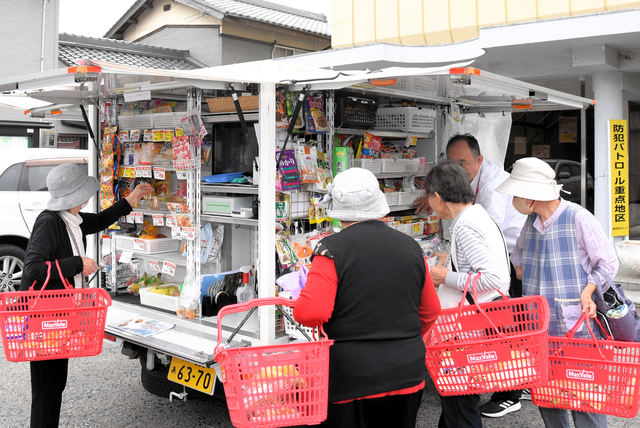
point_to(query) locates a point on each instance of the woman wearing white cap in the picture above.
(370, 287)
(560, 248)
(59, 233)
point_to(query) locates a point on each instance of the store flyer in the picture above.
(144, 326)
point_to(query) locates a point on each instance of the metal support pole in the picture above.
(583, 147)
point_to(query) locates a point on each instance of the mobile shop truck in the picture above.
(132, 113)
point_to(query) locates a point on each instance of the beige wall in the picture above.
(434, 22)
(153, 19)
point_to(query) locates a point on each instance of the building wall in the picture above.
(179, 14)
(203, 43)
(435, 22)
(272, 34)
(21, 37)
(236, 50)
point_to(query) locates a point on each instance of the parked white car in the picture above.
(23, 195)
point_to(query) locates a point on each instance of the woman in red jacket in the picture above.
(370, 287)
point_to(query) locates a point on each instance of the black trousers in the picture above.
(460, 411)
(48, 380)
(397, 411)
(515, 290)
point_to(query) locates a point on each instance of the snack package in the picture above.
(292, 100)
(340, 160)
(283, 209)
(145, 153)
(189, 297)
(324, 174)
(205, 151)
(206, 240)
(316, 120)
(408, 184)
(124, 186)
(165, 155)
(371, 146)
(288, 170)
(107, 168)
(286, 255)
(183, 152)
(216, 241)
(317, 211)
(303, 249)
(307, 158)
(281, 115)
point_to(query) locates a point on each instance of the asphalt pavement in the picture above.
(105, 391)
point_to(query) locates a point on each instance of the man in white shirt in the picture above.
(485, 176)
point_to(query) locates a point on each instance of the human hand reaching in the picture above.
(89, 266)
(139, 192)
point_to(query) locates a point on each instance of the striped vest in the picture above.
(551, 267)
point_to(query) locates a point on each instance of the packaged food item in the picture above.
(205, 151)
(145, 153)
(189, 296)
(292, 100)
(165, 155)
(182, 150)
(370, 146)
(316, 120)
(324, 174)
(281, 115)
(307, 158)
(286, 255)
(288, 170)
(124, 186)
(317, 211)
(216, 241)
(283, 209)
(303, 249)
(340, 160)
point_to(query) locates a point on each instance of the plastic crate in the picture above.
(353, 112)
(410, 197)
(425, 85)
(392, 198)
(408, 119)
(138, 121)
(289, 327)
(167, 120)
(373, 165)
(412, 165)
(147, 246)
(392, 165)
(170, 303)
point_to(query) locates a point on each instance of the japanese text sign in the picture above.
(618, 140)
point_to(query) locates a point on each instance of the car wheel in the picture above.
(11, 266)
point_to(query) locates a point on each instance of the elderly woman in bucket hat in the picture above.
(558, 251)
(59, 233)
(370, 287)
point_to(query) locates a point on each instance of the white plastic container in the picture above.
(373, 165)
(424, 85)
(392, 198)
(289, 327)
(169, 303)
(392, 165)
(410, 197)
(408, 119)
(147, 246)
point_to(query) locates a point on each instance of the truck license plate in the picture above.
(192, 375)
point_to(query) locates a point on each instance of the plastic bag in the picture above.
(189, 297)
(206, 240)
(216, 241)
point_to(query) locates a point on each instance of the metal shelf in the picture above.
(393, 93)
(397, 174)
(385, 134)
(173, 256)
(401, 207)
(229, 220)
(151, 212)
(249, 190)
(228, 117)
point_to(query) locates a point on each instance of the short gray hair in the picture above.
(450, 181)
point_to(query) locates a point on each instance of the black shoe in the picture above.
(497, 409)
(526, 394)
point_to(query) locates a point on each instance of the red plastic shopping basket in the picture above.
(53, 324)
(591, 375)
(493, 346)
(275, 385)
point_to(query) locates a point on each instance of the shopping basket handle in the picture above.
(476, 277)
(254, 303)
(595, 340)
(65, 282)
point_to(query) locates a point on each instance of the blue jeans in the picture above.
(559, 418)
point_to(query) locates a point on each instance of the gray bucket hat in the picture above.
(70, 187)
(355, 195)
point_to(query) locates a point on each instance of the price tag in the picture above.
(169, 268)
(125, 257)
(176, 233)
(139, 217)
(189, 233)
(192, 375)
(143, 171)
(181, 174)
(158, 173)
(154, 265)
(131, 218)
(158, 220)
(138, 245)
(123, 219)
(171, 220)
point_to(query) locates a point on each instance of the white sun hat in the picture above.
(70, 187)
(355, 195)
(531, 178)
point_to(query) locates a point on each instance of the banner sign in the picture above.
(618, 139)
